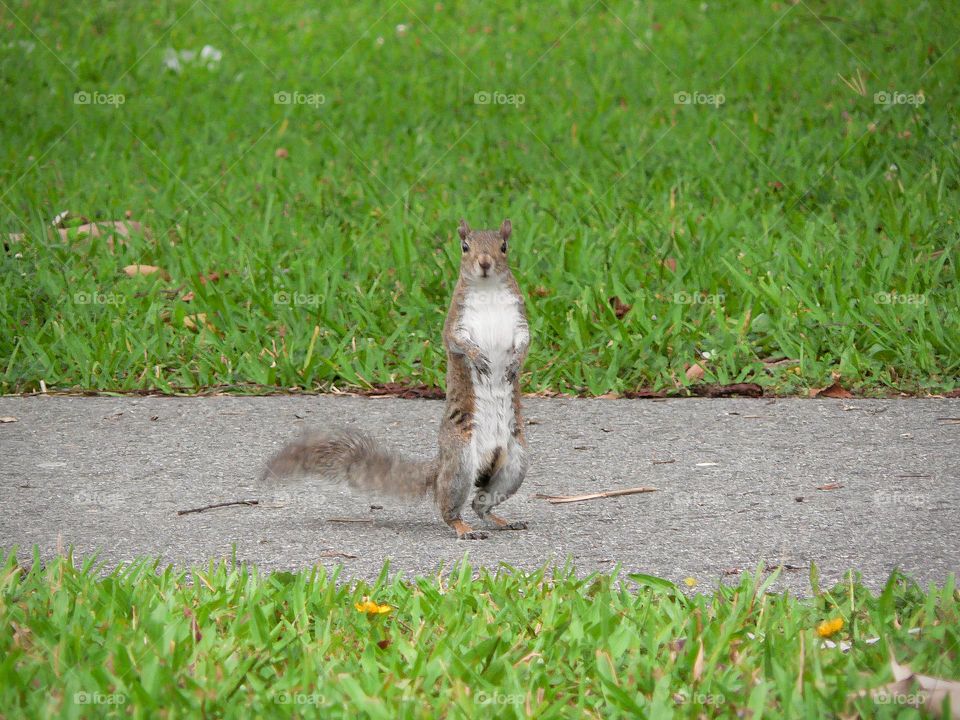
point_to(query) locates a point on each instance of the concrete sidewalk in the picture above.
(867, 484)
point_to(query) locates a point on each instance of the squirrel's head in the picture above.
(484, 251)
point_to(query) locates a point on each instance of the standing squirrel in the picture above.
(481, 441)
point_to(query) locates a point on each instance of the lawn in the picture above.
(769, 190)
(227, 641)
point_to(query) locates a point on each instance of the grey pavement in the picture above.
(739, 482)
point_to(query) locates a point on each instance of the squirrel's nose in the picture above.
(485, 263)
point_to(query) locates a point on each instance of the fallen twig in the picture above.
(217, 505)
(558, 499)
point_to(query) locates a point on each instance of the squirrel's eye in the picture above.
(464, 247)
(503, 247)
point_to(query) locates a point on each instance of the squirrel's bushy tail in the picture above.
(356, 459)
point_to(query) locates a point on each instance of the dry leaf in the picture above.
(836, 390)
(695, 372)
(830, 486)
(8, 419)
(134, 270)
(620, 308)
(194, 322)
(213, 277)
(188, 297)
(698, 663)
(910, 689)
(670, 264)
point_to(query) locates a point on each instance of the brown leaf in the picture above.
(698, 664)
(188, 297)
(830, 486)
(8, 419)
(213, 277)
(695, 373)
(281, 153)
(134, 270)
(670, 264)
(620, 308)
(194, 322)
(836, 390)
(540, 291)
(911, 689)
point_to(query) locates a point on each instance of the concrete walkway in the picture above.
(867, 484)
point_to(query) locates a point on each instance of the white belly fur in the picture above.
(490, 316)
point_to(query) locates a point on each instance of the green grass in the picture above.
(229, 641)
(800, 219)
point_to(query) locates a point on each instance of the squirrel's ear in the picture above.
(463, 229)
(505, 229)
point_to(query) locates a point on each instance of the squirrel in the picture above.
(481, 439)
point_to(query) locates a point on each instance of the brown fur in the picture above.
(355, 459)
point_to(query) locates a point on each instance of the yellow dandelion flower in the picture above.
(371, 607)
(690, 582)
(829, 628)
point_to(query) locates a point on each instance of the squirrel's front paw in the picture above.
(482, 364)
(513, 369)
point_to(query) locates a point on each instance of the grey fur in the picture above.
(355, 459)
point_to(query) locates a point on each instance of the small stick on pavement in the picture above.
(349, 520)
(558, 499)
(217, 505)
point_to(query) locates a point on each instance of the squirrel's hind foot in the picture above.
(473, 535)
(502, 524)
(465, 532)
